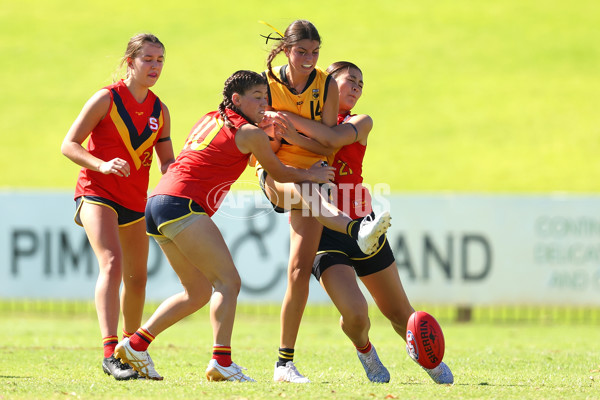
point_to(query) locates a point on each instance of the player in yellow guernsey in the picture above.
(308, 103)
(301, 88)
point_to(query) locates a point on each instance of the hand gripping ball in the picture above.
(424, 340)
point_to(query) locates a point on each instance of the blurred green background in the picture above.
(466, 95)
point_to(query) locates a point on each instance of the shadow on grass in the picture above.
(470, 384)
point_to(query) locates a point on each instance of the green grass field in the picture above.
(467, 96)
(59, 356)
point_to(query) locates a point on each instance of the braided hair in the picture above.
(298, 30)
(239, 82)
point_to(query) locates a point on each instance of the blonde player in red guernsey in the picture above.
(178, 212)
(125, 123)
(339, 260)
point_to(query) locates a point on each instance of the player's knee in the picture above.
(198, 299)
(110, 263)
(229, 285)
(356, 318)
(398, 318)
(299, 272)
(135, 283)
(235, 284)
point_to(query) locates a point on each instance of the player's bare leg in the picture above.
(388, 293)
(200, 246)
(135, 244)
(305, 233)
(101, 227)
(339, 281)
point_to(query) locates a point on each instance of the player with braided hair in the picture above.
(178, 213)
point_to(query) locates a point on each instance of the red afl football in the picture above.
(424, 340)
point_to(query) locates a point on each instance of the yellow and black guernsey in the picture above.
(128, 131)
(307, 104)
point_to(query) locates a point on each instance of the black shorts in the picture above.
(339, 248)
(125, 216)
(163, 209)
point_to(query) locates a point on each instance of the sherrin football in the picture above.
(424, 340)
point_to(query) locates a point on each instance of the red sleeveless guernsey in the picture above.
(209, 163)
(352, 197)
(128, 131)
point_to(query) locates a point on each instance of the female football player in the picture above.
(339, 259)
(125, 122)
(178, 216)
(302, 88)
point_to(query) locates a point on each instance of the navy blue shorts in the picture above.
(164, 209)
(339, 248)
(125, 216)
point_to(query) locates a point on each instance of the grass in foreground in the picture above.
(60, 356)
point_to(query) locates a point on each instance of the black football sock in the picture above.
(285, 355)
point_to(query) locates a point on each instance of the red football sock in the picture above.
(222, 354)
(127, 334)
(140, 340)
(110, 342)
(365, 349)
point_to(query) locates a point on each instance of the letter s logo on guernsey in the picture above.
(153, 123)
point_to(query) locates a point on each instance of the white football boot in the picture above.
(216, 372)
(139, 360)
(289, 373)
(371, 230)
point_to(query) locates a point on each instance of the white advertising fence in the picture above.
(450, 249)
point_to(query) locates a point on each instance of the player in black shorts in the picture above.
(339, 260)
(336, 265)
(335, 248)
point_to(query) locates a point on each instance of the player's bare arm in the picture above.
(251, 139)
(164, 146)
(93, 112)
